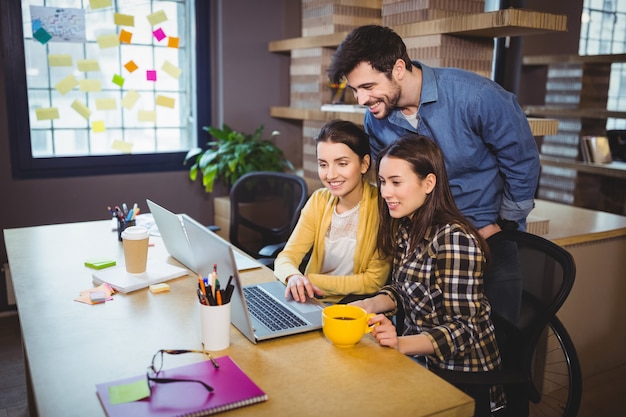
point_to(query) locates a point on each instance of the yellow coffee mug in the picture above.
(344, 325)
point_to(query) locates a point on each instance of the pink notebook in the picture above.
(232, 389)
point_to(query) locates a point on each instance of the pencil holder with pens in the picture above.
(215, 326)
(122, 225)
(214, 311)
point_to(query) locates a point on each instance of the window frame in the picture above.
(24, 166)
(618, 69)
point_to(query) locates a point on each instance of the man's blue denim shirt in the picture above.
(490, 153)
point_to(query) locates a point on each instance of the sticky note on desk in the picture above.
(157, 288)
(97, 297)
(99, 263)
(126, 393)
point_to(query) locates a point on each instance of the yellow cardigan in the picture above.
(370, 272)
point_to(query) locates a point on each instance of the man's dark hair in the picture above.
(379, 46)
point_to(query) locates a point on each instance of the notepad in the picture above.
(232, 389)
(122, 281)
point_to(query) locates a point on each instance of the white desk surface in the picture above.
(71, 346)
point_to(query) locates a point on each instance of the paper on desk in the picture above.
(124, 282)
(105, 288)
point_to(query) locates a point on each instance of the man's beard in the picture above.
(390, 102)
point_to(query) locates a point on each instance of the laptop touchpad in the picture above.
(305, 307)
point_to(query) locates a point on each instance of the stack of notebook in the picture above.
(232, 388)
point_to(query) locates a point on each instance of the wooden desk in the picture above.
(593, 312)
(71, 346)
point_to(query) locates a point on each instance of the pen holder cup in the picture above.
(215, 326)
(122, 225)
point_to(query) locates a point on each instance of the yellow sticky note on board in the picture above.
(98, 126)
(157, 17)
(130, 99)
(171, 69)
(108, 41)
(165, 101)
(90, 86)
(106, 104)
(123, 19)
(99, 4)
(86, 65)
(60, 60)
(146, 116)
(47, 113)
(81, 109)
(122, 146)
(66, 85)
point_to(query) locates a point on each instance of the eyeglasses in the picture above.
(157, 366)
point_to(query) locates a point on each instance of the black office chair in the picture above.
(538, 344)
(265, 207)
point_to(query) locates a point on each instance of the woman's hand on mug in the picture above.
(300, 287)
(384, 331)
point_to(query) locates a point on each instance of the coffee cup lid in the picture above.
(135, 233)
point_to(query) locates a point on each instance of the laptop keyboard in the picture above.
(272, 314)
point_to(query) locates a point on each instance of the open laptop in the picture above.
(247, 302)
(176, 242)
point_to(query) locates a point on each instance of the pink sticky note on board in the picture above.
(151, 75)
(159, 34)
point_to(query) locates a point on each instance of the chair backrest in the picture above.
(548, 273)
(265, 207)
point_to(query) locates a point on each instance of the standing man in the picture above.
(489, 150)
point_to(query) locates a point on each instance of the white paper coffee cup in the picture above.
(135, 241)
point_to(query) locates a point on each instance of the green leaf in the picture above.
(208, 177)
(192, 153)
(207, 158)
(193, 172)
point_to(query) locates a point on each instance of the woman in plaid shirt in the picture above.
(438, 266)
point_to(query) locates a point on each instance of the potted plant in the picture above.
(233, 154)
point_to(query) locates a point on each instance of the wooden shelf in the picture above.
(539, 127)
(554, 111)
(574, 59)
(497, 24)
(312, 114)
(500, 23)
(614, 169)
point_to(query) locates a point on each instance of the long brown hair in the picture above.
(439, 208)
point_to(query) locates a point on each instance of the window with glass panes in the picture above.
(603, 31)
(108, 76)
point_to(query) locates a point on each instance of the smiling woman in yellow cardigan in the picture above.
(338, 224)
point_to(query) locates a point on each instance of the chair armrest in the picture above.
(271, 251)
